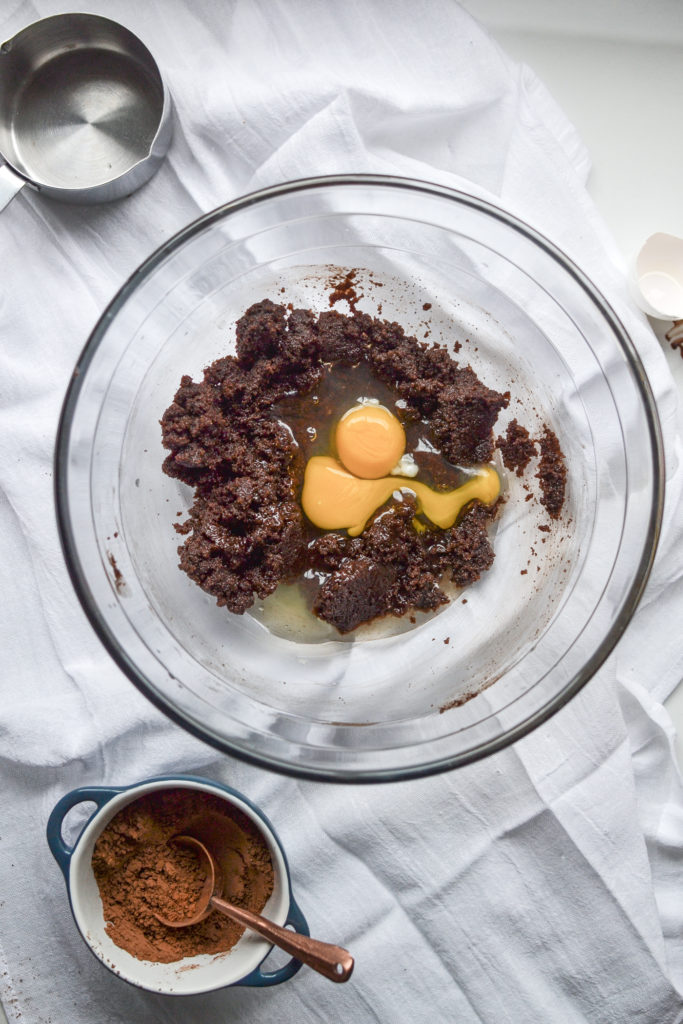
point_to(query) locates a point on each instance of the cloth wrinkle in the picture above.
(394, 898)
(412, 918)
(612, 895)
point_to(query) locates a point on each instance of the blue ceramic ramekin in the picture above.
(192, 975)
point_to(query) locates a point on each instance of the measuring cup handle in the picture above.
(261, 979)
(10, 183)
(99, 795)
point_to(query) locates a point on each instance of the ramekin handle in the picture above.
(99, 795)
(261, 979)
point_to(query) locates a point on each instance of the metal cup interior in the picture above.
(82, 104)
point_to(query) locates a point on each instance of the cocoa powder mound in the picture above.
(139, 873)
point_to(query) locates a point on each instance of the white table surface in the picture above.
(616, 68)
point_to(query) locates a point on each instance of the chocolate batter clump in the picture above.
(516, 447)
(242, 436)
(140, 873)
(552, 473)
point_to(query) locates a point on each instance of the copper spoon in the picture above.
(332, 961)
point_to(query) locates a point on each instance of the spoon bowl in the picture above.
(213, 884)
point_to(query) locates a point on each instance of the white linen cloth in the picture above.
(540, 886)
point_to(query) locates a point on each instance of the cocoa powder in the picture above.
(139, 873)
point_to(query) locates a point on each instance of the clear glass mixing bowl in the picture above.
(526, 637)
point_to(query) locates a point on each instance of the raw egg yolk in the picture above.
(370, 441)
(334, 499)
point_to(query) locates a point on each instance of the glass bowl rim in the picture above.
(351, 776)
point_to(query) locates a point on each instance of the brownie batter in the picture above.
(140, 874)
(241, 438)
(552, 473)
(516, 447)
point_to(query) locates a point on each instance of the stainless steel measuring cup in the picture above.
(85, 116)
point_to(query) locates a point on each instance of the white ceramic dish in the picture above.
(192, 975)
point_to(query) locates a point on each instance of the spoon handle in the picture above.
(332, 961)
